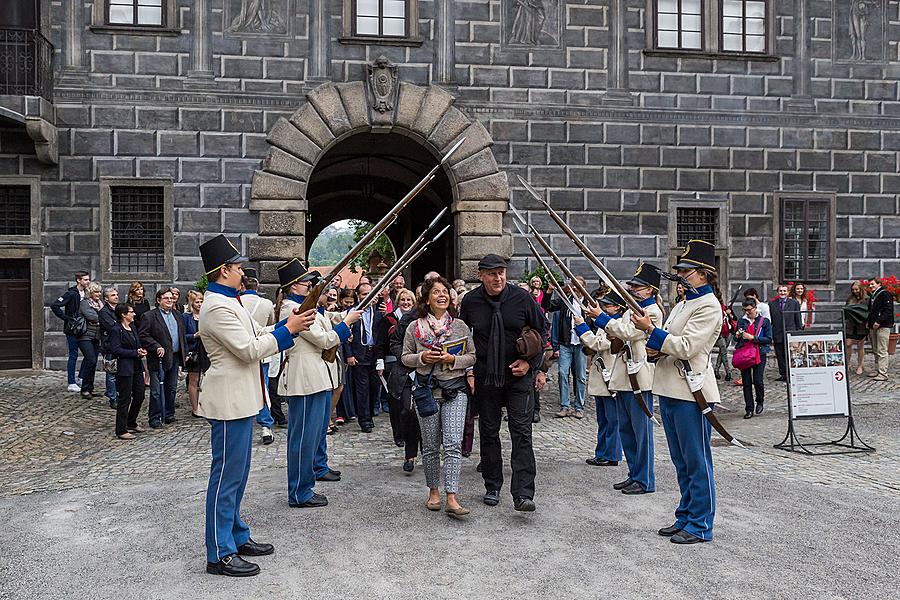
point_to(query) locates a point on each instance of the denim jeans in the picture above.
(89, 349)
(163, 385)
(72, 343)
(571, 358)
(111, 391)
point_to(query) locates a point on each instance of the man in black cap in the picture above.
(230, 398)
(497, 313)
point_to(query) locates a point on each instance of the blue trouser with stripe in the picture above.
(303, 438)
(687, 434)
(609, 447)
(320, 463)
(230, 442)
(636, 433)
(264, 418)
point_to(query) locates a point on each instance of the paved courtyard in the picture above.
(89, 516)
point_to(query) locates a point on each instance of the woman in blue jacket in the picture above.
(762, 337)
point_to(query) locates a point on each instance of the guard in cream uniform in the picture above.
(307, 383)
(684, 344)
(262, 311)
(232, 392)
(608, 452)
(635, 427)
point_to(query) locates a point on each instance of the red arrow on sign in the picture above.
(839, 375)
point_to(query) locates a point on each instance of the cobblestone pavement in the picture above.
(54, 440)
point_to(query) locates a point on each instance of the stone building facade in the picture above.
(770, 128)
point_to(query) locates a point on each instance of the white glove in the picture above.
(379, 364)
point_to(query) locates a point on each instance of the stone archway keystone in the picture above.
(335, 111)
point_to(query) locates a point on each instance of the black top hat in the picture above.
(613, 298)
(311, 276)
(697, 255)
(218, 252)
(251, 273)
(290, 272)
(646, 275)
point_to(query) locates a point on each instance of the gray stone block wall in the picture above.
(720, 128)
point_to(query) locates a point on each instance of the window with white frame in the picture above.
(135, 12)
(711, 26)
(679, 24)
(743, 26)
(380, 18)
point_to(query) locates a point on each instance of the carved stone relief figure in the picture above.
(533, 23)
(257, 16)
(382, 84)
(860, 12)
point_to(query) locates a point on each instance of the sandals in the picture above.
(136, 430)
(126, 436)
(435, 506)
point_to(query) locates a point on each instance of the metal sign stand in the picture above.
(850, 442)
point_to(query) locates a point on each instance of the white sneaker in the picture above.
(267, 436)
(78, 382)
(74, 387)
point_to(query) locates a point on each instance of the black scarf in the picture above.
(496, 350)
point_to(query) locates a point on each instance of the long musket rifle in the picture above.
(547, 270)
(386, 221)
(595, 262)
(412, 253)
(562, 266)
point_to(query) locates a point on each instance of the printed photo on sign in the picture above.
(833, 347)
(834, 360)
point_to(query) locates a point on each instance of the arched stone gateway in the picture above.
(329, 161)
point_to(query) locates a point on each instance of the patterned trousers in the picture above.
(444, 428)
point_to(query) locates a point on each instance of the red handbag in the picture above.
(747, 355)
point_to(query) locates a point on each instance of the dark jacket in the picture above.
(400, 374)
(364, 355)
(561, 323)
(191, 325)
(66, 306)
(107, 323)
(140, 309)
(123, 346)
(762, 335)
(155, 334)
(784, 321)
(518, 310)
(881, 309)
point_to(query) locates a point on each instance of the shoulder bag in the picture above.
(747, 356)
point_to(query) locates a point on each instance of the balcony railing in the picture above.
(26, 63)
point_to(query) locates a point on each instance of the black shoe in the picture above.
(112, 404)
(233, 566)
(728, 376)
(399, 443)
(169, 421)
(478, 468)
(316, 501)
(622, 484)
(466, 454)
(252, 548)
(524, 504)
(334, 471)
(669, 531)
(599, 462)
(409, 465)
(748, 414)
(491, 497)
(717, 375)
(366, 429)
(683, 537)
(329, 476)
(281, 424)
(633, 489)
(536, 417)
(156, 425)
(781, 378)
(759, 409)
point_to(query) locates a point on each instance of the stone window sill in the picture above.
(380, 41)
(135, 30)
(712, 55)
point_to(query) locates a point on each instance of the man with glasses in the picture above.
(162, 336)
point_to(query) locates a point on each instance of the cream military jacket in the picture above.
(599, 343)
(233, 386)
(305, 372)
(690, 333)
(262, 311)
(636, 339)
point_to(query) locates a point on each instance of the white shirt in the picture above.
(574, 338)
(762, 310)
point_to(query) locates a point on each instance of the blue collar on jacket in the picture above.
(218, 288)
(647, 301)
(249, 293)
(296, 298)
(700, 291)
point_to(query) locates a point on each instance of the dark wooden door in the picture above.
(15, 315)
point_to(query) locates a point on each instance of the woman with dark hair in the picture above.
(346, 407)
(440, 348)
(807, 302)
(753, 328)
(856, 331)
(125, 347)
